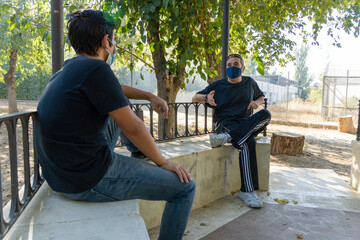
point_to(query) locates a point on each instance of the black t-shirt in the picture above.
(73, 112)
(232, 99)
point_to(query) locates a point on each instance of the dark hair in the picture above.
(87, 28)
(235, 55)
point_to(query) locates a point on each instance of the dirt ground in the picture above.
(324, 149)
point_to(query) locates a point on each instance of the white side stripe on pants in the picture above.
(245, 159)
(257, 127)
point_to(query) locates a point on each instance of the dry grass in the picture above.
(298, 110)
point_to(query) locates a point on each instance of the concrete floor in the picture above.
(302, 187)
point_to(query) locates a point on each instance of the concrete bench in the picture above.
(215, 171)
(50, 215)
(355, 166)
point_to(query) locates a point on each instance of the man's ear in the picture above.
(105, 42)
(243, 69)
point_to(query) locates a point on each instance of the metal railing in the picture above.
(187, 120)
(187, 113)
(190, 119)
(31, 183)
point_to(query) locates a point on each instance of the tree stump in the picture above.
(346, 124)
(287, 143)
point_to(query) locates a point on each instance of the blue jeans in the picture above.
(132, 178)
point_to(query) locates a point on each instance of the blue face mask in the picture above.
(111, 58)
(233, 72)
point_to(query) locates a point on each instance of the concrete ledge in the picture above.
(49, 215)
(215, 171)
(329, 125)
(355, 166)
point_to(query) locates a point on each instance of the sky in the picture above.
(340, 59)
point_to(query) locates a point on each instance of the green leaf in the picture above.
(183, 86)
(27, 25)
(11, 24)
(260, 68)
(140, 45)
(4, 8)
(141, 76)
(152, 8)
(72, 8)
(165, 4)
(152, 46)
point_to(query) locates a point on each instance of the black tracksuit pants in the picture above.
(243, 132)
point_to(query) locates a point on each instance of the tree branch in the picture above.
(123, 49)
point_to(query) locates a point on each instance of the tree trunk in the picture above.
(167, 84)
(287, 143)
(10, 83)
(211, 64)
(346, 124)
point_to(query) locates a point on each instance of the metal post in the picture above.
(358, 126)
(132, 64)
(225, 37)
(323, 99)
(347, 85)
(287, 96)
(57, 35)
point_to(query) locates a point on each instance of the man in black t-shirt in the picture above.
(80, 114)
(234, 99)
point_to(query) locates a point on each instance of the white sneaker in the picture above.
(218, 140)
(251, 199)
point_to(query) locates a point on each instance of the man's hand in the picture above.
(253, 105)
(159, 105)
(210, 98)
(182, 172)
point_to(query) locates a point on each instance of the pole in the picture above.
(347, 85)
(358, 127)
(287, 95)
(225, 37)
(57, 35)
(132, 64)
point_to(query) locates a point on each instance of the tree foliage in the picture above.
(184, 30)
(260, 30)
(263, 30)
(24, 43)
(315, 94)
(301, 72)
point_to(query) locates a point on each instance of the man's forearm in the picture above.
(142, 139)
(260, 100)
(200, 98)
(134, 93)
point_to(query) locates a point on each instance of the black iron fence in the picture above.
(20, 192)
(190, 119)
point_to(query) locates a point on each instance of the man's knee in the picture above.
(190, 188)
(265, 113)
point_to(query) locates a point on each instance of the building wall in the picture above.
(274, 88)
